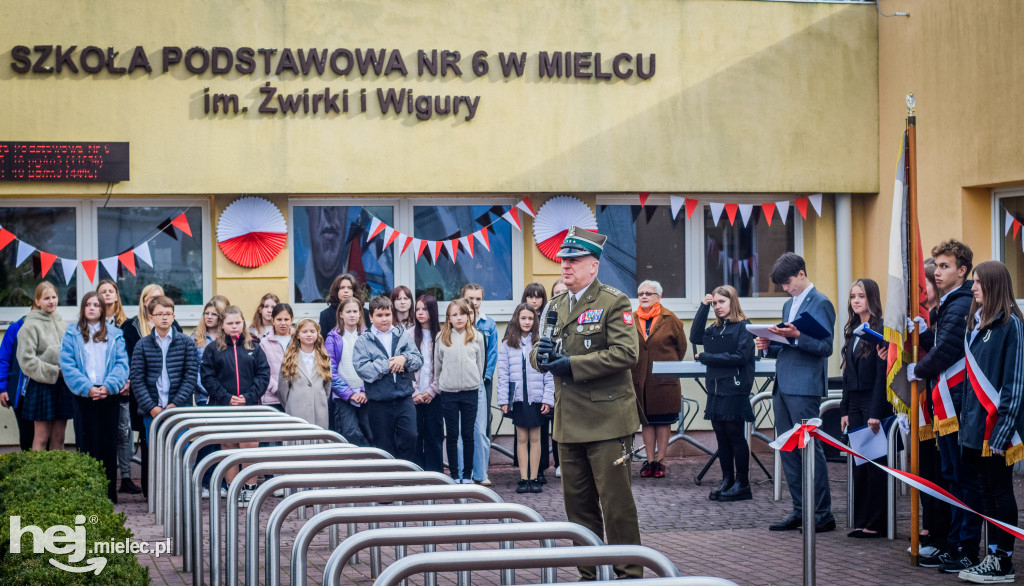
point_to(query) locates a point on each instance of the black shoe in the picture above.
(535, 487)
(129, 487)
(790, 523)
(736, 492)
(932, 561)
(540, 478)
(726, 483)
(957, 563)
(825, 527)
(861, 534)
(523, 486)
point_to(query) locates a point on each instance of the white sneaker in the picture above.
(279, 493)
(558, 471)
(223, 492)
(485, 482)
(926, 550)
(206, 493)
(246, 495)
(467, 481)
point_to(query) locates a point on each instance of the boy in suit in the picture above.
(801, 380)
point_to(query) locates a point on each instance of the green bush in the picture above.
(52, 488)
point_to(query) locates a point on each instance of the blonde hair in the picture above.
(41, 290)
(199, 334)
(222, 339)
(446, 330)
(341, 307)
(144, 327)
(735, 311)
(290, 362)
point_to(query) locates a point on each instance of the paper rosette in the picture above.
(554, 219)
(251, 231)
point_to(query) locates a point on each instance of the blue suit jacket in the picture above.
(802, 367)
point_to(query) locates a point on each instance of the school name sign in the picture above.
(273, 98)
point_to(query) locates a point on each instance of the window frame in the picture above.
(405, 264)
(998, 236)
(686, 307)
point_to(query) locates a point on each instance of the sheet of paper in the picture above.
(761, 331)
(868, 443)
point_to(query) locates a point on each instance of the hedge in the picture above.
(52, 488)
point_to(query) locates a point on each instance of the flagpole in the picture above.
(913, 291)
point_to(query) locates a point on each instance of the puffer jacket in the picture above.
(998, 351)
(234, 370)
(945, 338)
(72, 361)
(39, 342)
(540, 386)
(147, 364)
(274, 352)
(334, 345)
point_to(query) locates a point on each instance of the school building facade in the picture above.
(428, 122)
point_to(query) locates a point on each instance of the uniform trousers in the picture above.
(97, 434)
(591, 483)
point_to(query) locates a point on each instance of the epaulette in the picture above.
(611, 290)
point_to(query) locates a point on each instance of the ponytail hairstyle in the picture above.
(118, 309)
(245, 338)
(321, 361)
(83, 324)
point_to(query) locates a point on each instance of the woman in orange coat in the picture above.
(661, 337)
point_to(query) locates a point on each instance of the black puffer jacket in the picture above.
(147, 365)
(945, 339)
(233, 370)
(728, 354)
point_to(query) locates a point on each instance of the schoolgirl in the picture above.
(305, 378)
(115, 316)
(274, 346)
(47, 401)
(347, 403)
(401, 302)
(263, 318)
(429, 417)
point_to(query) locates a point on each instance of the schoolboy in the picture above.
(386, 359)
(474, 294)
(801, 380)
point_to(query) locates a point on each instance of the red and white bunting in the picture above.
(418, 246)
(815, 203)
(376, 226)
(390, 239)
(46, 261)
(730, 210)
(512, 217)
(467, 243)
(783, 208)
(677, 202)
(691, 206)
(405, 245)
(643, 198)
(142, 252)
(436, 246)
(90, 269)
(768, 209)
(6, 237)
(25, 250)
(801, 206)
(67, 266)
(452, 247)
(110, 265)
(716, 211)
(128, 260)
(484, 239)
(1007, 222)
(745, 210)
(527, 206)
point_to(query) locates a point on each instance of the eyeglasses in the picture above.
(163, 315)
(646, 294)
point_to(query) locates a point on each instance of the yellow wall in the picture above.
(963, 63)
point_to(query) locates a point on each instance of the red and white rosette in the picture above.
(251, 231)
(554, 219)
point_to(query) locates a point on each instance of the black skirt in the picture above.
(45, 402)
(728, 408)
(527, 414)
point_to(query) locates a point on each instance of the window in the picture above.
(339, 234)
(1007, 248)
(177, 260)
(643, 244)
(49, 229)
(742, 256)
(492, 270)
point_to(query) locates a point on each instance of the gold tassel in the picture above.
(897, 404)
(986, 450)
(925, 433)
(1014, 454)
(947, 426)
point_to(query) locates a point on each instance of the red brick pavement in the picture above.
(702, 537)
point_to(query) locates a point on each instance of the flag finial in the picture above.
(911, 103)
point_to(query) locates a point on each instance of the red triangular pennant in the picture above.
(1016, 228)
(181, 223)
(691, 206)
(380, 228)
(801, 206)
(438, 245)
(394, 236)
(128, 258)
(419, 249)
(469, 244)
(455, 248)
(6, 237)
(769, 211)
(643, 197)
(527, 206)
(730, 210)
(405, 245)
(513, 218)
(482, 235)
(46, 261)
(90, 269)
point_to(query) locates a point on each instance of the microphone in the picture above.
(550, 321)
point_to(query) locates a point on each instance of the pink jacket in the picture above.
(275, 355)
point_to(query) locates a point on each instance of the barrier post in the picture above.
(808, 507)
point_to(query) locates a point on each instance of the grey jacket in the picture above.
(802, 367)
(460, 367)
(370, 360)
(39, 341)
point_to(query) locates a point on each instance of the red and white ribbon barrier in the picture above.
(797, 437)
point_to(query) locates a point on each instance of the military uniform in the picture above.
(596, 414)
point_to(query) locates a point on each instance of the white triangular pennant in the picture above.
(677, 202)
(68, 265)
(142, 253)
(448, 246)
(25, 250)
(716, 211)
(431, 250)
(388, 231)
(816, 202)
(464, 241)
(110, 264)
(783, 208)
(479, 235)
(415, 247)
(373, 229)
(745, 210)
(526, 208)
(1007, 223)
(512, 218)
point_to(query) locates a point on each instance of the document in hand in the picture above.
(809, 326)
(868, 443)
(761, 331)
(866, 334)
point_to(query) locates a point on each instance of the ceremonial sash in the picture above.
(988, 396)
(945, 410)
(925, 431)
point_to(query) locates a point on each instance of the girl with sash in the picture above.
(992, 418)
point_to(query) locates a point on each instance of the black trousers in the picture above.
(350, 421)
(96, 434)
(430, 436)
(987, 484)
(869, 483)
(26, 430)
(393, 426)
(733, 451)
(935, 514)
(459, 409)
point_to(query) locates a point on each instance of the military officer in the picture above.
(590, 352)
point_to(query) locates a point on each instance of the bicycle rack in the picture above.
(193, 506)
(529, 558)
(545, 532)
(158, 421)
(894, 434)
(674, 581)
(176, 428)
(177, 476)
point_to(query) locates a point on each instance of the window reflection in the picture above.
(492, 270)
(742, 256)
(50, 229)
(643, 243)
